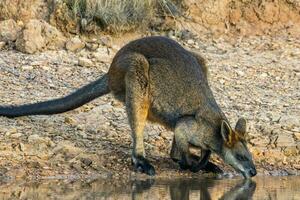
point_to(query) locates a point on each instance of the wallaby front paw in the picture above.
(192, 164)
(183, 165)
(211, 167)
(142, 165)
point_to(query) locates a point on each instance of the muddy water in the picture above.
(176, 189)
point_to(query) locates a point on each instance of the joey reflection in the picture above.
(180, 189)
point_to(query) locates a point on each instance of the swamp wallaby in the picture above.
(161, 81)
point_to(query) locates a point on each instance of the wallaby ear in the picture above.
(240, 126)
(225, 131)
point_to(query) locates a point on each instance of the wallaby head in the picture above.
(234, 149)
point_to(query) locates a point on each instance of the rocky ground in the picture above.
(255, 77)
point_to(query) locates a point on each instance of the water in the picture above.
(285, 188)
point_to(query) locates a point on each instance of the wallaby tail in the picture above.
(60, 105)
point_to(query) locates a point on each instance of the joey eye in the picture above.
(241, 157)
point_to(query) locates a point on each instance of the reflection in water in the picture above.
(171, 189)
(180, 189)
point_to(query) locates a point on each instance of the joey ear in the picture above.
(225, 131)
(241, 126)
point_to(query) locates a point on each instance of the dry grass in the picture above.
(120, 15)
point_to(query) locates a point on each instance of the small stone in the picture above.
(11, 132)
(297, 136)
(75, 44)
(240, 73)
(190, 41)
(70, 120)
(85, 62)
(76, 165)
(22, 147)
(92, 46)
(106, 40)
(285, 140)
(291, 151)
(296, 166)
(103, 55)
(275, 117)
(27, 67)
(222, 81)
(290, 121)
(9, 30)
(291, 171)
(16, 135)
(34, 138)
(260, 142)
(2, 45)
(86, 161)
(264, 75)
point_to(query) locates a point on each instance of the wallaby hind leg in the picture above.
(137, 105)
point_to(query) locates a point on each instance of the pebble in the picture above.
(297, 136)
(85, 62)
(2, 45)
(190, 41)
(75, 44)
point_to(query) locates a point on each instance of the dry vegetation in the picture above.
(118, 15)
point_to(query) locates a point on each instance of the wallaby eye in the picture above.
(241, 157)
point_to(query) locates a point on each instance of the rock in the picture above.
(285, 140)
(67, 149)
(291, 151)
(106, 41)
(274, 156)
(275, 117)
(22, 147)
(70, 120)
(16, 135)
(27, 67)
(263, 75)
(9, 30)
(2, 45)
(75, 44)
(11, 132)
(54, 38)
(85, 62)
(190, 41)
(297, 136)
(31, 39)
(86, 161)
(36, 139)
(76, 165)
(103, 55)
(92, 46)
(260, 142)
(240, 73)
(24, 10)
(296, 166)
(37, 35)
(290, 121)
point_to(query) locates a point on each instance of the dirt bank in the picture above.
(239, 17)
(257, 78)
